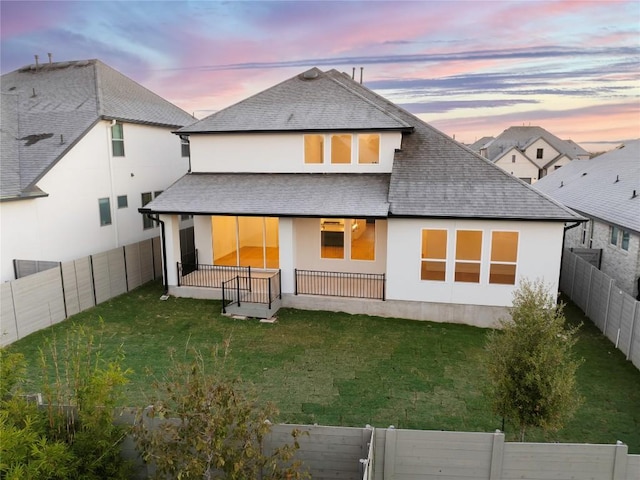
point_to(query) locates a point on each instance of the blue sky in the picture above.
(470, 68)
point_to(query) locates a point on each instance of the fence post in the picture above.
(179, 273)
(269, 280)
(64, 296)
(384, 287)
(620, 459)
(224, 309)
(390, 453)
(295, 281)
(497, 455)
(589, 291)
(606, 312)
(238, 285)
(632, 330)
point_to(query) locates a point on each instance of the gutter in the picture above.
(164, 252)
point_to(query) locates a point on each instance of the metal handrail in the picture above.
(340, 284)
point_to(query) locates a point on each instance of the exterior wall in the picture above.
(307, 246)
(539, 255)
(66, 224)
(621, 265)
(548, 153)
(561, 162)
(276, 153)
(521, 168)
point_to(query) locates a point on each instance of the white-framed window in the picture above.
(539, 153)
(368, 148)
(342, 148)
(433, 265)
(185, 148)
(625, 240)
(313, 149)
(123, 201)
(468, 256)
(104, 207)
(117, 139)
(146, 197)
(504, 257)
(513, 158)
(613, 235)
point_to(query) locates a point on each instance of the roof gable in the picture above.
(311, 101)
(56, 104)
(522, 137)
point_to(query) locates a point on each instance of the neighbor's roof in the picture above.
(311, 101)
(278, 194)
(432, 176)
(49, 108)
(522, 137)
(602, 187)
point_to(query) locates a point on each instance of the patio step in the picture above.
(255, 310)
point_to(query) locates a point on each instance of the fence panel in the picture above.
(38, 301)
(612, 310)
(156, 248)
(132, 262)
(146, 261)
(70, 286)
(8, 326)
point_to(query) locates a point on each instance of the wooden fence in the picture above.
(614, 312)
(37, 301)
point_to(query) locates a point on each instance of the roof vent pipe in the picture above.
(353, 73)
(50, 61)
(36, 62)
(635, 194)
(617, 179)
(361, 69)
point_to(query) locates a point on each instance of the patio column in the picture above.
(172, 245)
(286, 238)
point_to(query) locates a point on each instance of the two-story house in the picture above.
(606, 190)
(529, 153)
(353, 204)
(83, 147)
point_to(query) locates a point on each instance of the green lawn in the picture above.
(339, 369)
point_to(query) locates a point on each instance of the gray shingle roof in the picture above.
(523, 136)
(301, 104)
(590, 186)
(433, 175)
(46, 110)
(280, 194)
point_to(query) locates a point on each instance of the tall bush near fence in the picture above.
(43, 299)
(614, 312)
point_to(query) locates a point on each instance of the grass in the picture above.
(339, 369)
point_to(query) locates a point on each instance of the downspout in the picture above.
(164, 252)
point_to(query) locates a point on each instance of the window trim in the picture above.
(539, 153)
(478, 262)
(502, 262)
(124, 204)
(444, 260)
(117, 140)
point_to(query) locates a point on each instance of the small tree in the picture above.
(531, 367)
(208, 428)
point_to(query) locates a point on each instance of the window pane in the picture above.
(332, 238)
(117, 140)
(225, 241)
(313, 148)
(433, 270)
(468, 245)
(118, 148)
(434, 244)
(250, 240)
(185, 149)
(502, 274)
(625, 240)
(146, 221)
(122, 201)
(272, 242)
(504, 246)
(341, 149)
(467, 272)
(105, 211)
(117, 132)
(614, 235)
(368, 148)
(363, 239)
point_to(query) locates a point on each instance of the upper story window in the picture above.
(146, 198)
(625, 240)
(185, 149)
(314, 149)
(123, 201)
(117, 139)
(104, 206)
(539, 152)
(341, 148)
(368, 148)
(613, 238)
(513, 158)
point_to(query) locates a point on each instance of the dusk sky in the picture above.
(469, 68)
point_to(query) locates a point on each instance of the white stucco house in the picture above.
(606, 190)
(529, 153)
(83, 147)
(340, 200)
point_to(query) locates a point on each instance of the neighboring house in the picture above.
(528, 153)
(605, 189)
(341, 193)
(83, 147)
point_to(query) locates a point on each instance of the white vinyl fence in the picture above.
(614, 312)
(42, 299)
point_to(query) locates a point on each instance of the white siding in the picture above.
(548, 152)
(66, 224)
(276, 153)
(539, 252)
(521, 168)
